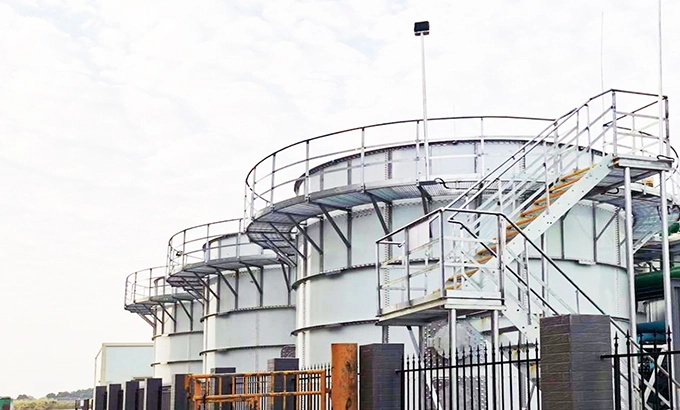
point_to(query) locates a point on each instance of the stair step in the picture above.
(522, 221)
(532, 210)
(575, 173)
(552, 196)
(563, 185)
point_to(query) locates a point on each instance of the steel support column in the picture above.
(628, 210)
(666, 269)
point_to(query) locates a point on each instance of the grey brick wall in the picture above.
(380, 386)
(573, 377)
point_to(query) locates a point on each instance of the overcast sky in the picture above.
(122, 122)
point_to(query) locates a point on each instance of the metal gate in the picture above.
(290, 390)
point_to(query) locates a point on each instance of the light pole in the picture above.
(422, 29)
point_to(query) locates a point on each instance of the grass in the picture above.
(43, 404)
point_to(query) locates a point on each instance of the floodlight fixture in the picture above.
(421, 28)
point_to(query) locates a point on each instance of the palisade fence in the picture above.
(480, 378)
(650, 387)
(313, 382)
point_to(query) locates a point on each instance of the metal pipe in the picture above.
(666, 267)
(453, 348)
(425, 137)
(628, 210)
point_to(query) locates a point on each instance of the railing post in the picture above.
(252, 194)
(378, 276)
(407, 266)
(417, 150)
(306, 169)
(238, 238)
(500, 251)
(482, 153)
(442, 256)
(363, 158)
(271, 192)
(184, 244)
(615, 137)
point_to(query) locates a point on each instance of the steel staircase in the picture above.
(489, 243)
(579, 156)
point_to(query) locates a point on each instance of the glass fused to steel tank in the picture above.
(321, 204)
(245, 291)
(174, 315)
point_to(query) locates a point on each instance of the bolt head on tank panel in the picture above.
(421, 28)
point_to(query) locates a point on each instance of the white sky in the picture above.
(122, 122)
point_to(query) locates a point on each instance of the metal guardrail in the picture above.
(145, 285)
(202, 243)
(287, 172)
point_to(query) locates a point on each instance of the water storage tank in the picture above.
(249, 310)
(175, 317)
(321, 204)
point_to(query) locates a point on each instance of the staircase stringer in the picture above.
(523, 318)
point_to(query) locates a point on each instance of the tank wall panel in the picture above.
(246, 335)
(365, 228)
(578, 234)
(320, 340)
(336, 256)
(168, 370)
(252, 328)
(178, 347)
(347, 297)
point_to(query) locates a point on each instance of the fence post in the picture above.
(282, 383)
(100, 398)
(344, 369)
(114, 397)
(381, 386)
(153, 389)
(130, 395)
(179, 398)
(573, 376)
(223, 384)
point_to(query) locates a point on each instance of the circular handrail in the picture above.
(289, 167)
(141, 287)
(194, 244)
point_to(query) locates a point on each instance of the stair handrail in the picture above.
(557, 268)
(530, 145)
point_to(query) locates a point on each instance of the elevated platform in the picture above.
(201, 251)
(272, 227)
(435, 307)
(148, 288)
(193, 276)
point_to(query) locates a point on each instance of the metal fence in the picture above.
(642, 372)
(291, 390)
(481, 378)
